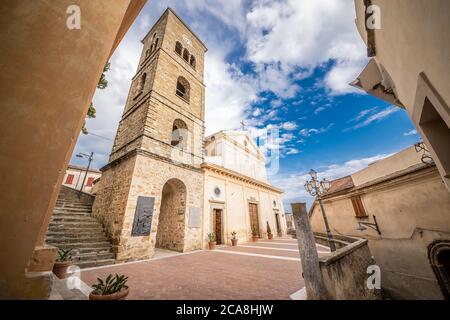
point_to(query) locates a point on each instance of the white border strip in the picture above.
(257, 255)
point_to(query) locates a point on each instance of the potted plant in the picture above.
(212, 241)
(234, 240)
(255, 235)
(269, 231)
(113, 288)
(62, 263)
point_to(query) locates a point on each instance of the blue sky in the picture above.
(274, 64)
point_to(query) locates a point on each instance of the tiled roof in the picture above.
(341, 184)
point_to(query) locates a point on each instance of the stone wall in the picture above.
(345, 272)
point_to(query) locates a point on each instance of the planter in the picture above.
(121, 295)
(212, 245)
(60, 268)
(234, 242)
(255, 238)
(270, 236)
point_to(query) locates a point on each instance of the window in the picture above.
(90, 182)
(179, 134)
(156, 43)
(186, 55)
(142, 82)
(358, 207)
(69, 179)
(183, 88)
(147, 53)
(192, 62)
(178, 48)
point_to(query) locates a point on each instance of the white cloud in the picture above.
(293, 183)
(289, 125)
(410, 133)
(309, 132)
(375, 117)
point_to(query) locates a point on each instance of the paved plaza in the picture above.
(268, 269)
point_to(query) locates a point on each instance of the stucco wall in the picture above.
(411, 213)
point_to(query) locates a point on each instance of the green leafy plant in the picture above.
(269, 231)
(112, 284)
(211, 237)
(254, 231)
(233, 235)
(64, 255)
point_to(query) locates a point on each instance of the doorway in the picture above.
(217, 225)
(277, 220)
(254, 221)
(170, 231)
(439, 256)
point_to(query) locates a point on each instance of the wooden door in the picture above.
(277, 220)
(217, 225)
(254, 222)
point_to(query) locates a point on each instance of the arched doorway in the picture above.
(170, 232)
(439, 255)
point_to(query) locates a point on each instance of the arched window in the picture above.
(192, 62)
(142, 82)
(186, 55)
(183, 88)
(156, 43)
(147, 53)
(179, 134)
(178, 48)
(151, 48)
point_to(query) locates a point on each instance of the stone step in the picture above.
(84, 245)
(74, 229)
(95, 250)
(96, 263)
(72, 209)
(92, 256)
(71, 224)
(58, 213)
(65, 240)
(76, 234)
(71, 218)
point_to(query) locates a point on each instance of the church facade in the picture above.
(152, 191)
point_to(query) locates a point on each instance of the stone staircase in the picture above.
(72, 226)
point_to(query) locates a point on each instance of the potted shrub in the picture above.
(234, 240)
(269, 231)
(113, 288)
(212, 241)
(254, 234)
(62, 263)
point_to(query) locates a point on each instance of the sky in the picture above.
(282, 65)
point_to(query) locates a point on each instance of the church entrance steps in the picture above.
(73, 227)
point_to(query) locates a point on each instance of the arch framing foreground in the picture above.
(435, 251)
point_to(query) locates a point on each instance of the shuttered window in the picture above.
(90, 182)
(358, 207)
(69, 179)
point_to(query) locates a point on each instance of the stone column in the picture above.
(315, 288)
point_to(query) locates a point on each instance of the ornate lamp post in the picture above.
(90, 157)
(318, 188)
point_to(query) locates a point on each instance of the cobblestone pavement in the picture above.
(268, 269)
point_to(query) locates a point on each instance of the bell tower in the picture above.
(151, 191)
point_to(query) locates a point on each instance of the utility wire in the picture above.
(99, 136)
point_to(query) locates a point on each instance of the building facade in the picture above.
(409, 65)
(77, 176)
(237, 195)
(151, 191)
(409, 203)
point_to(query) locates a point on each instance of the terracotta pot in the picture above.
(255, 238)
(60, 268)
(212, 245)
(270, 236)
(234, 242)
(121, 295)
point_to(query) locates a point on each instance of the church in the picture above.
(166, 185)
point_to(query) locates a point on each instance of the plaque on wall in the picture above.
(143, 216)
(194, 217)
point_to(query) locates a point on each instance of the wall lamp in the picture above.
(374, 226)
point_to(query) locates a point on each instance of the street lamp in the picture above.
(90, 157)
(318, 188)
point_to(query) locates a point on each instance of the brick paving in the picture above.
(213, 275)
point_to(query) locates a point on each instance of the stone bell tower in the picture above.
(151, 191)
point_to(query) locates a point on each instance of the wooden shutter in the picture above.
(90, 181)
(69, 179)
(358, 207)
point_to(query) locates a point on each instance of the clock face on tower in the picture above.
(186, 39)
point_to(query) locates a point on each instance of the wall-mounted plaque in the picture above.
(142, 223)
(194, 217)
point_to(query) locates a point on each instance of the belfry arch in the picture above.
(171, 221)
